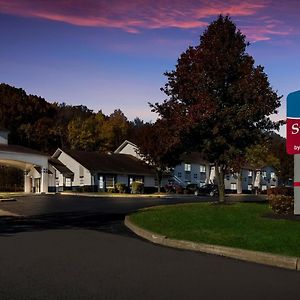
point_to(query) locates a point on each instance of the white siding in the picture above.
(131, 150)
(73, 165)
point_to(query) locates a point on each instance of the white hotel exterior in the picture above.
(92, 171)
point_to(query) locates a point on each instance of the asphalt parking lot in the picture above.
(69, 247)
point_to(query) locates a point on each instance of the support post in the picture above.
(44, 180)
(297, 184)
(27, 185)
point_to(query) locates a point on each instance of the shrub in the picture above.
(111, 190)
(137, 187)
(179, 189)
(281, 190)
(120, 187)
(281, 204)
(169, 188)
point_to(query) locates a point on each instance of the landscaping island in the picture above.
(240, 225)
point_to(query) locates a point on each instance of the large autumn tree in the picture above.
(220, 101)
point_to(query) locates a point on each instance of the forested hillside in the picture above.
(36, 123)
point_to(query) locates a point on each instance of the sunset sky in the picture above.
(112, 54)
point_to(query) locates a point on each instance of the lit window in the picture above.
(273, 175)
(249, 187)
(233, 186)
(264, 174)
(250, 173)
(202, 168)
(187, 167)
(110, 182)
(263, 187)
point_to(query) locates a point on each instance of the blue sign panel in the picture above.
(293, 105)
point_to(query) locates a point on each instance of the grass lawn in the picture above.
(10, 194)
(240, 225)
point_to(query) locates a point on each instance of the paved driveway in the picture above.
(77, 248)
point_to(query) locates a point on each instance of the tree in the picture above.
(158, 147)
(115, 130)
(220, 101)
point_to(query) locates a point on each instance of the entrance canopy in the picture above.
(25, 159)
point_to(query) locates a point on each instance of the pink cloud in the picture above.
(135, 15)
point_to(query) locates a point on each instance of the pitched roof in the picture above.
(110, 163)
(123, 145)
(19, 149)
(58, 165)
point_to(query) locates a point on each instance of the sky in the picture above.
(112, 54)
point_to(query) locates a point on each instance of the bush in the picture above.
(120, 187)
(169, 188)
(111, 190)
(137, 187)
(179, 189)
(281, 190)
(281, 204)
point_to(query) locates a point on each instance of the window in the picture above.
(101, 182)
(250, 173)
(249, 187)
(264, 174)
(179, 174)
(195, 176)
(81, 172)
(273, 175)
(233, 186)
(187, 167)
(263, 187)
(273, 186)
(110, 182)
(68, 182)
(202, 168)
(201, 183)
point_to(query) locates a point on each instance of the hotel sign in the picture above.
(293, 123)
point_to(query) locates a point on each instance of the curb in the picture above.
(270, 259)
(5, 213)
(167, 196)
(8, 200)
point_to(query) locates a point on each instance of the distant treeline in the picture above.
(36, 123)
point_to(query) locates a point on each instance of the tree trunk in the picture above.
(220, 182)
(239, 185)
(159, 179)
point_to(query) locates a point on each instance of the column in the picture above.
(27, 181)
(297, 184)
(44, 180)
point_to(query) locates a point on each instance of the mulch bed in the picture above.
(290, 217)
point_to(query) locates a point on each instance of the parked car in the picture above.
(191, 188)
(207, 189)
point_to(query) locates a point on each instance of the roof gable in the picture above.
(110, 163)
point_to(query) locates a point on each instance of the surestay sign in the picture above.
(293, 123)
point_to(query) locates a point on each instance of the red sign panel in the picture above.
(293, 136)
